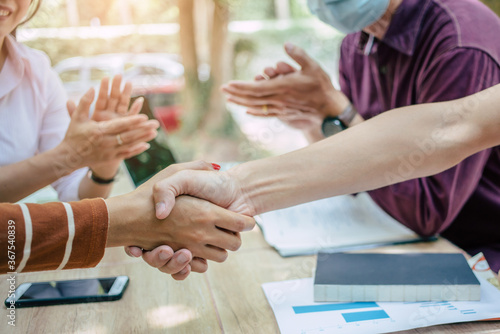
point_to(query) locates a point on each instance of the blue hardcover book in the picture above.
(394, 277)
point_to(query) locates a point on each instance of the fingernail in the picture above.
(289, 47)
(216, 167)
(164, 256)
(182, 258)
(160, 209)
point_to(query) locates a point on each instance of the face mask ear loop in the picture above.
(369, 45)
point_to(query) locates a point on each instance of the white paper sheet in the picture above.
(338, 223)
(322, 318)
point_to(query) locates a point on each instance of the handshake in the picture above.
(185, 215)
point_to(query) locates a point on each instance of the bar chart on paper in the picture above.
(295, 311)
(343, 315)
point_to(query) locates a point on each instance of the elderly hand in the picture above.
(308, 90)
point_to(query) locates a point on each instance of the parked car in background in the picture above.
(157, 76)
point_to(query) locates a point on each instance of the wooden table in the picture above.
(226, 299)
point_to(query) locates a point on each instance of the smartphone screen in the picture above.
(158, 157)
(68, 292)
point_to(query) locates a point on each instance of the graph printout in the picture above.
(296, 313)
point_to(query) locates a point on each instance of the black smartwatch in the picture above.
(333, 125)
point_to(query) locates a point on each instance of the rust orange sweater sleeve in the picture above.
(52, 236)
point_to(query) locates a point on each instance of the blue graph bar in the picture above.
(332, 307)
(432, 304)
(363, 316)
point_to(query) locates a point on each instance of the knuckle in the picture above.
(221, 257)
(206, 214)
(236, 245)
(224, 256)
(239, 225)
(202, 267)
(198, 236)
(166, 270)
(158, 188)
(94, 135)
(174, 168)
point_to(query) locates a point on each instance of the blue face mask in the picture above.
(348, 15)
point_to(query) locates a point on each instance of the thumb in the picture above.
(82, 111)
(199, 183)
(299, 55)
(165, 192)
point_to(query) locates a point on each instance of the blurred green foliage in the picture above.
(53, 13)
(251, 10)
(264, 9)
(299, 9)
(494, 5)
(264, 48)
(59, 49)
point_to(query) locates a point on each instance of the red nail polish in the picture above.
(216, 167)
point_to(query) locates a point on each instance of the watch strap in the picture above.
(99, 180)
(348, 115)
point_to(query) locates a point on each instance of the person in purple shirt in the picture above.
(399, 53)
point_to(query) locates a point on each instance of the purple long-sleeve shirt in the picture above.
(434, 50)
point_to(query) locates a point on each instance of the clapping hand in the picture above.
(300, 97)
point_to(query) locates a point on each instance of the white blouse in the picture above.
(33, 114)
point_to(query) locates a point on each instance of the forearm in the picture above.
(481, 115)
(125, 217)
(313, 134)
(369, 155)
(26, 228)
(20, 179)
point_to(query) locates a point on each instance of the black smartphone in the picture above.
(68, 292)
(158, 157)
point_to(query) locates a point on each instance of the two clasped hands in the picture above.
(197, 230)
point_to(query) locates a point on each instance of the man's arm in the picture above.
(347, 163)
(429, 205)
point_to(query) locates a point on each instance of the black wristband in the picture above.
(98, 180)
(348, 115)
